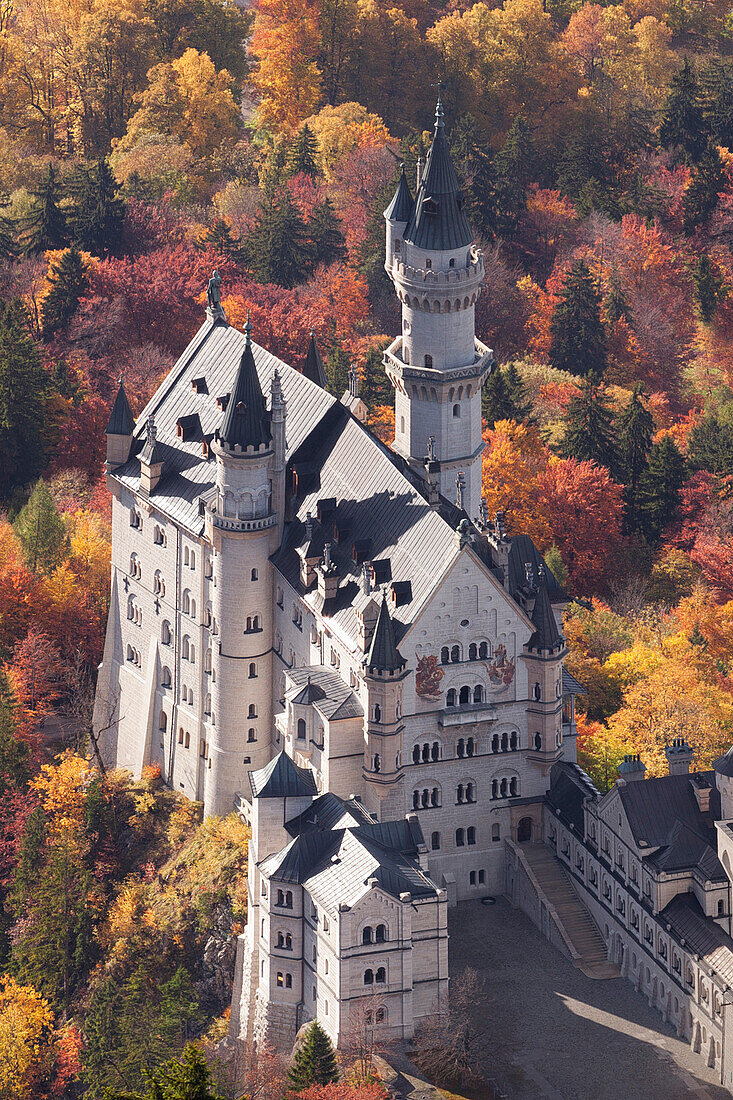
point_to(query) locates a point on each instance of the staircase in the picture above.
(579, 927)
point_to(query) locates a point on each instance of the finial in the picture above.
(366, 578)
(120, 380)
(353, 380)
(460, 486)
(484, 511)
(327, 557)
(248, 330)
(308, 526)
(439, 107)
(529, 575)
(151, 430)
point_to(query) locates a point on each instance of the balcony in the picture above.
(468, 714)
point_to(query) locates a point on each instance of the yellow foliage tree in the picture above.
(62, 788)
(26, 1041)
(339, 130)
(90, 542)
(285, 45)
(513, 457)
(600, 751)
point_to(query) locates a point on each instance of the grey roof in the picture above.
(654, 806)
(687, 850)
(569, 788)
(282, 778)
(152, 452)
(121, 420)
(571, 686)
(522, 552)
(438, 221)
(546, 634)
(246, 421)
(313, 368)
(329, 812)
(701, 934)
(384, 656)
(311, 693)
(402, 204)
(724, 764)
(336, 702)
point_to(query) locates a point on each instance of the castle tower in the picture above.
(244, 525)
(437, 366)
(385, 672)
(543, 655)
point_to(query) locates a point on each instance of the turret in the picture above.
(119, 429)
(385, 669)
(543, 655)
(313, 368)
(723, 768)
(436, 364)
(244, 524)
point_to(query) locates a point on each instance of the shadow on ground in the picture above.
(553, 1032)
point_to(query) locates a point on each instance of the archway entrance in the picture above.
(524, 830)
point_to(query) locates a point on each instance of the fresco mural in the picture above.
(501, 669)
(428, 675)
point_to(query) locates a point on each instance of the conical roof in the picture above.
(546, 635)
(438, 221)
(121, 420)
(246, 422)
(282, 778)
(384, 656)
(313, 368)
(402, 205)
(723, 765)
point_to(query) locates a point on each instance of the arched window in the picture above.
(185, 555)
(494, 788)
(464, 696)
(416, 800)
(381, 975)
(470, 792)
(185, 647)
(251, 735)
(504, 742)
(460, 838)
(478, 694)
(444, 655)
(163, 722)
(376, 764)
(471, 835)
(496, 832)
(288, 981)
(381, 935)
(461, 747)
(366, 936)
(207, 661)
(451, 262)
(425, 799)
(301, 729)
(503, 786)
(165, 677)
(455, 654)
(538, 741)
(435, 751)
(252, 711)
(252, 671)
(513, 741)
(450, 698)
(435, 797)
(495, 743)
(537, 691)
(377, 713)
(472, 652)
(470, 746)
(483, 651)
(435, 842)
(428, 264)
(513, 790)
(368, 977)
(416, 754)
(428, 360)
(158, 536)
(456, 410)
(253, 575)
(426, 753)
(187, 741)
(186, 602)
(459, 793)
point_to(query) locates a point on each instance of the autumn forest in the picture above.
(145, 142)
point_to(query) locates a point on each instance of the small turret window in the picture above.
(456, 410)
(428, 360)
(451, 263)
(428, 264)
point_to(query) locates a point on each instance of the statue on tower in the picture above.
(213, 294)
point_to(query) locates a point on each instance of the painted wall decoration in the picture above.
(501, 669)
(428, 675)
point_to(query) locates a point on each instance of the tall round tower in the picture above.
(436, 364)
(244, 525)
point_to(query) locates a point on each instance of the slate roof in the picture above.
(337, 701)
(569, 788)
(438, 221)
(724, 764)
(313, 368)
(329, 812)
(523, 551)
(384, 655)
(687, 850)
(246, 421)
(546, 635)
(701, 934)
(282, 778)
(121, 420)
(402, 204)
(571, 686)
(654, 807)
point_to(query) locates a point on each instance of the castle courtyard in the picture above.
(554, 1033)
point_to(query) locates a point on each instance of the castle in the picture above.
(333, 638)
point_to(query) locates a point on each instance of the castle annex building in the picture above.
(331, 636)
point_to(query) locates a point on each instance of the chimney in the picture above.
(631, 769)
(702, 787)
(679, 757)
(328, 577)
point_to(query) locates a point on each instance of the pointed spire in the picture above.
(384, 656)
(546, 635)
(402, 204)
(313, 368)
(246, 421)
(121, 420)
(438, 222)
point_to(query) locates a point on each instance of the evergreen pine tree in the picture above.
(8, 246)
(710, 288)
(702, 196)
(473, 159)
(69, 284)
(45, 227)
(683, 124)
(23, 392)
(337, 371)
(278, 250)
(710, 445)
(589, 435)
(303, 153)
(375, 388)
(519, 401)
(616, 304)
(97, 212)
(659, 491)
(578, 337)
(634, 431)
(219, 237)
(14, 753)
(314, 1062)
(187, 1078)
(324, 230)
(513, 175)
(495, 401)
(41, 531)
(716, 91)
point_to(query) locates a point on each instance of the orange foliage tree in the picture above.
(285, 44)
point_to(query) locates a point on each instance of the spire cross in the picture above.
(439, 104)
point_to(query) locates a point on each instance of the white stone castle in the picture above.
(333, 639)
